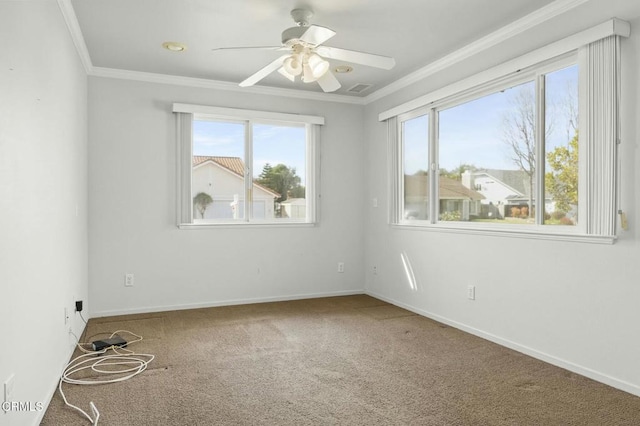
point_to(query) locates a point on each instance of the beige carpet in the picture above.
(350, 360)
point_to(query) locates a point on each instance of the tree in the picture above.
(201, 201)
(519, 126)
(457, 172)
(519, 134)
(283, 180)
(562, 181)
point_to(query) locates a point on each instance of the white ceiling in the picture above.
(128, 35)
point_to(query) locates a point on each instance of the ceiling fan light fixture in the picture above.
(317, 65)
(283, 72)
(292, 65)
(307, 74)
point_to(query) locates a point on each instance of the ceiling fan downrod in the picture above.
(301, 17)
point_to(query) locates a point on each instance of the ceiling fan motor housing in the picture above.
(292, 35)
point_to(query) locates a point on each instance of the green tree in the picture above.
(457, 172)
(201, 201)
(562, 181)
(283, 180)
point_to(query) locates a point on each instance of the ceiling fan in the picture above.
(306, 57)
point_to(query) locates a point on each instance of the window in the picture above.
(246, 167)
(508, 152)
(415, 131)
(491, 154)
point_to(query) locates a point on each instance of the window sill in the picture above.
(229, 225)
(510, 232)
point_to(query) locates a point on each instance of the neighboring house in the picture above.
(223, 179)
(454, 197)
(502, 189)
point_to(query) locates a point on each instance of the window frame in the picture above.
(538, 230)
(185, 116)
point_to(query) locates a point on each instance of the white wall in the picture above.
(132, 199)
(573, 304)
(43, 199)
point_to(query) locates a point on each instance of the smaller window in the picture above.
(245, 170)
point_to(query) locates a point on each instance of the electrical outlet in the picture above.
(66, 315)
(341, 267)
(128, 280)
(8, 388)
(471, 292)
(375, 270)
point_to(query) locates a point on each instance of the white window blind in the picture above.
(599, 128)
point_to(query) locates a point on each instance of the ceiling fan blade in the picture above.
(356, 57)
(251, 48)
(328, 82)
(316, 35)
(264, 72)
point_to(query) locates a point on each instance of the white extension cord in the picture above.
(123, 364)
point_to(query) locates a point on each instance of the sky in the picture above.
(273, 144)
(473, 132)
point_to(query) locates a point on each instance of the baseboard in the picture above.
(54, 386)
(162, 308)
(558, 362)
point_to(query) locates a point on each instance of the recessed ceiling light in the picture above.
(174, 46)
(343, 69)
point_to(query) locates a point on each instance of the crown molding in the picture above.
(71, 20)
(222, 85)
(523, 24)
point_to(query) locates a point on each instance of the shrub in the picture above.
(524, 212)
(450, 216)
(515, 212)
(558, 214)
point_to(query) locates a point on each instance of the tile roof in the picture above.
(234, 164)
(448, 188)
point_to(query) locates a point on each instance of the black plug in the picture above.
(78, 305)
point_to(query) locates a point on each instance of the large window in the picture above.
(494, 149)
(506, 153)
(531, 151)
(245, 170)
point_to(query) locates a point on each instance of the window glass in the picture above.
(487, 170)
(415, 163)
(279, 172)
(218, 167)
(561, 160)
